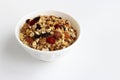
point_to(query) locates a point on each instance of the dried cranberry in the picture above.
(38, 27)
(32, 22)
(29, 39)
(36, 19)
(57, 26)
(51, 40)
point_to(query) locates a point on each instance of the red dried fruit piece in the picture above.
(29, 40)
(32, 22)
(57, 34)
(27, 21)
(57, 26)
(36, 19)
(51, 40)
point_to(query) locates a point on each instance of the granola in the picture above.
(48, 33)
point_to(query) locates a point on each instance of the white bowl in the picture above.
(47, 55)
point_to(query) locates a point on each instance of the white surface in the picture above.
(97, 56)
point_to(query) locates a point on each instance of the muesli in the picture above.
(48, 33)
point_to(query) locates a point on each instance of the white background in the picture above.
(96, 57)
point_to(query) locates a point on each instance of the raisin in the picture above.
(29, 39)
(32, 22)
(51, 40)
(45, 34)
(38, 27)
(57, 26)
(42, 35)
(36, 19)
(27, 21)
(37, 36)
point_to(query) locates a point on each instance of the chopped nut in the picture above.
(37, 40)
(34, 44)
(36, 32)
(47, 49)
(42, 41)
(21, 36)
(66, 35)
(57, 34)
(73, 35)
(31, 34)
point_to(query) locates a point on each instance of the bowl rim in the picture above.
(39, 51)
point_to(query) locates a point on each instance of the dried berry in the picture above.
(29, 39)
(41, 35)
(57, 26)
(27, 21)
(38, 27)
(45, 34)
(36, 36)
(36, 19)
(32, 22)
(57, 34)
(51, 40)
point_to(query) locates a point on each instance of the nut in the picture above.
(57, 34)
(34, 44)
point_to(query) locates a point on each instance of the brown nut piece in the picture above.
(66, 35)
(57, 34)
